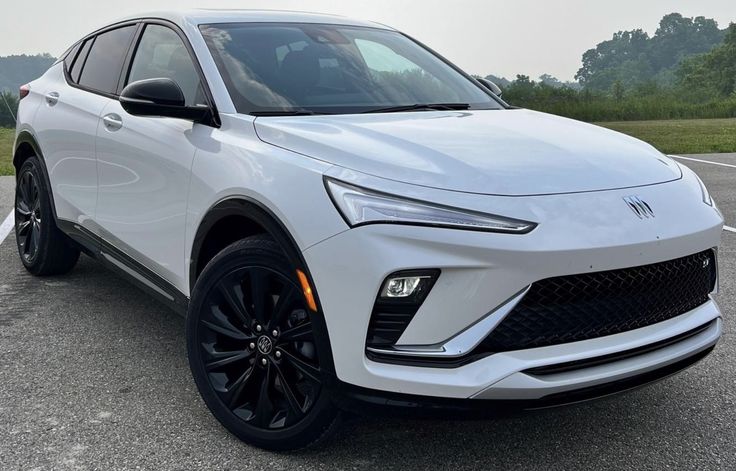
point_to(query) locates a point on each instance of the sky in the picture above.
(505, 38)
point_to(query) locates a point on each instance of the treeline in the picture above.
(19, 69)
(678, 83)
(14, 72)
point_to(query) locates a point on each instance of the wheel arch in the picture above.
(239, 217)
(232, 219)
(26, 146)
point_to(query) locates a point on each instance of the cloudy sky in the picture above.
(482, 36)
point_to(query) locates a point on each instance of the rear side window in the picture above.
(104, 62)
(70, 55)
(76, 68)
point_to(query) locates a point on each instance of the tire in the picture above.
(43, 248)
(252, 349)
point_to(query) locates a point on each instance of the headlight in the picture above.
(360, 206)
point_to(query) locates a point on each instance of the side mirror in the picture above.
(161, 97)
(495, 89)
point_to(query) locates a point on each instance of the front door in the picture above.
(144, 163)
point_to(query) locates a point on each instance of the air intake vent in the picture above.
(580, 307)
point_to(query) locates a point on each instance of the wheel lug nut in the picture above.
(275, 333)
(278, 354)
(252, 346)
(259, 328)
(264, 362)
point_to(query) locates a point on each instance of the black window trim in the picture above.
(128, 59)
(93, 37)
(69, 50)
(77, 50)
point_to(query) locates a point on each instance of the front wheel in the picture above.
(252, 349)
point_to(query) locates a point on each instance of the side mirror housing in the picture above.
(495, 89)
(161, 97)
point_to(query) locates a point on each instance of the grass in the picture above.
(682, 136)
(677, 136)
(6, 151)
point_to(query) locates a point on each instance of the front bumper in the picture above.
(577, 233)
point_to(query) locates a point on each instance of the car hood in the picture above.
(500, 152)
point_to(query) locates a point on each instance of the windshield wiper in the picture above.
(297, 112)
(422, 107)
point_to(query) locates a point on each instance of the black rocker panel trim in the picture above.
(122, 264)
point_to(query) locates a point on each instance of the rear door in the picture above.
(66, 124)
(144, 163)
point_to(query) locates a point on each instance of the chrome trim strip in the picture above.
(462, 343)
(717, 286)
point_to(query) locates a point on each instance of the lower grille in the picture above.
(580, 307)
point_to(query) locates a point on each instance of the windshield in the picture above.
(289, 68)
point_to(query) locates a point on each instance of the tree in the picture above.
(632, 57)
(678, 37)
(599, 62)
(712, 73)
(618, 90)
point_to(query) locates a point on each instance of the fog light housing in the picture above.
(402, 286)
(407, 287)
(399, 298)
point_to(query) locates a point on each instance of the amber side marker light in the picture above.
(307, 289)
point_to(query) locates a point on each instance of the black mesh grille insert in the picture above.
(579, 307)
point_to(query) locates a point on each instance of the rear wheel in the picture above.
(252, 348)
(43, 248)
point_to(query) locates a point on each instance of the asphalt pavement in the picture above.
(93, 375)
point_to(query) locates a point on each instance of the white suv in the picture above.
(346, 219)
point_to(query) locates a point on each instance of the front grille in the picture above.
(580, 307)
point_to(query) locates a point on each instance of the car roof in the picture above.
(197, 17)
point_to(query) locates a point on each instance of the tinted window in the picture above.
(162, 54)
(79, 61)
(332, 69)
(105, 60)
(69, 56)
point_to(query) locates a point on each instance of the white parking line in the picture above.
(729, 228)
(703, 161)
(7, 226)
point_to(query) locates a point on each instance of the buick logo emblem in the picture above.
(639, 207)
(264, 345)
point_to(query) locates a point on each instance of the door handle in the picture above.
(112, 122)
(52, 98)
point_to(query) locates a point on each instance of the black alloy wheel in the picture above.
(253, 351)
(43, 248)
(28, 216)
